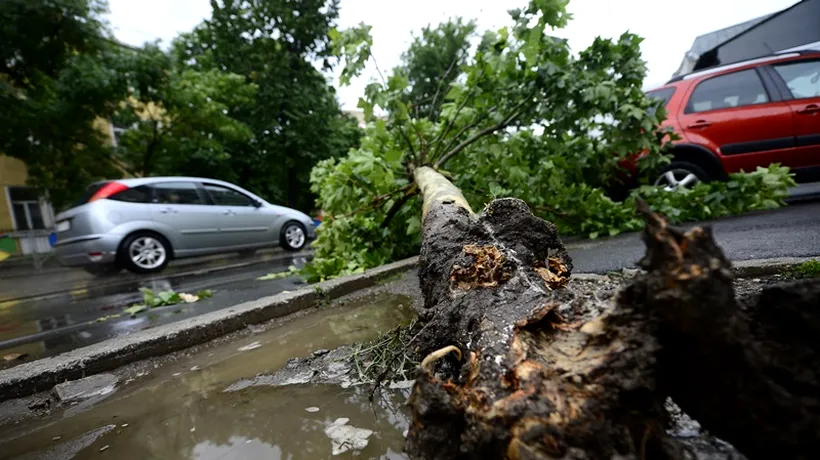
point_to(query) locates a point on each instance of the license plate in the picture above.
(63, 226)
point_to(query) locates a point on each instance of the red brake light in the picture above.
(107, 190)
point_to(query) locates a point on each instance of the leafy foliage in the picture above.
(522, 117)
(179, 121)
(808, 269)
(237, 99)
(432, 63)
(151, 299)
(294, 117)
(59, 74)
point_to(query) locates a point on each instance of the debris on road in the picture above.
(85, 388)
(345, 437)
(250, 346)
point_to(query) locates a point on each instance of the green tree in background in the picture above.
(179, 121)
(59, 72)
(295, 118)
(431, 64)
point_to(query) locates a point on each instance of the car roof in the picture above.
(784, 55)
(137, 181)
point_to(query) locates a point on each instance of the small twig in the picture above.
(441, 80)
(375, 201)
(452, 122)
(387, 366)
(409, 143)
(398, 204)
(516, 112)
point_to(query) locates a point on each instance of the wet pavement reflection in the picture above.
(181, 410)
(38, 328)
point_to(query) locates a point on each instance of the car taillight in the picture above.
(108, 190)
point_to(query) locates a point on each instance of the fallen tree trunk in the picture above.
(511, 372)
(514, 370)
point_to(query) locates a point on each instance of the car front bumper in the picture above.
(88, 250)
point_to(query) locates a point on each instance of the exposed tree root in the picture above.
(512, 372)
(749, 374)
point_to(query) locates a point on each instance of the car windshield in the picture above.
(664, 95)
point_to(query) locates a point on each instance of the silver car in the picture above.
(141, 224)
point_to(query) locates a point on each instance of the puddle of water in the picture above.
(181, 411)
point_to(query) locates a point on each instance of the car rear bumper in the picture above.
(88, 250)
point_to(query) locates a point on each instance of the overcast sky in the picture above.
(668, 27)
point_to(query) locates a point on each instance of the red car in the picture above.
(740, 116)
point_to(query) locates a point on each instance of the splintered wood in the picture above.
(487, 269)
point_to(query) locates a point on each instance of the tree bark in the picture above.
(748, 371)
(514, 370)
(510, 372)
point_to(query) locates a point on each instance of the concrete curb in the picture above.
(741, 268)
(44, 374)
(763, 267)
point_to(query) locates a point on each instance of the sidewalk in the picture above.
(17, 283)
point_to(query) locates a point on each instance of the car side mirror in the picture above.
(257, 204)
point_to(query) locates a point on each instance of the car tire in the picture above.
(293, 236)
(103, 270)
(680, 174)
(144, 253)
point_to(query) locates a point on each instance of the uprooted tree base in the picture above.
(511, 371)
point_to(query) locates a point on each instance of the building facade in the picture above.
(791, 29)
(26, 217)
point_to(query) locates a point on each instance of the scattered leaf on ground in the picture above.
(107, 317)
(188, 298)
(274, 276)
(13, 356)
(134, 309)
(312, 409)
(205, 294)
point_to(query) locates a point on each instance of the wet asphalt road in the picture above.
(62, 317)
(793, 231)
(58, 322)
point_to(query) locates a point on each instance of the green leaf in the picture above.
(134, 310)
(392, 156)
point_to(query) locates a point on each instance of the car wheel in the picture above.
(680, 174)
(103, 270)
(145, 252)
(293, 237)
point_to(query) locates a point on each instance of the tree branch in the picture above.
(375, 201)
(438, 87)
(409, 143)
(452, 121)
(516, 112)
(398, 204)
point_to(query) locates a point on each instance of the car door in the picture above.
(802, 79)
(244, 221)
(182, 210)
(736, 116)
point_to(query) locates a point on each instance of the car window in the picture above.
(802, 78)
(736, 89)
(224, 196)
(177, 193)
(89, 192)
(141, 194)
(664, 95)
